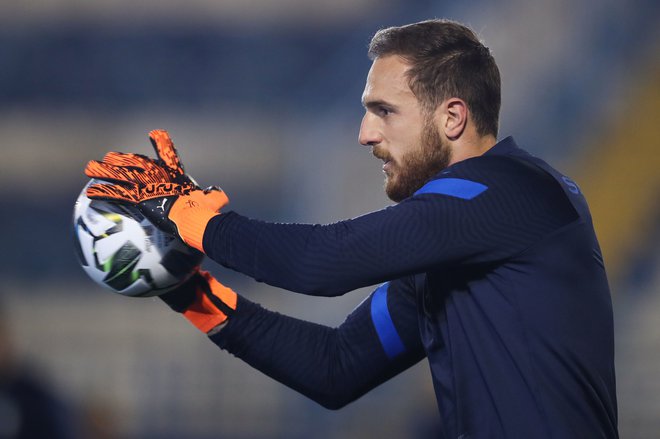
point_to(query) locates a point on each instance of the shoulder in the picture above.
(499, 168)
(488, 174)
(499, 183)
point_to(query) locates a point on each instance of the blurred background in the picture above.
(263, 98)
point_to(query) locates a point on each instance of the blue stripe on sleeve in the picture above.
(385, 329)
(454, 187)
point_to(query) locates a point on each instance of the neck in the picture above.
(466, 147)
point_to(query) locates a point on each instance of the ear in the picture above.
(453, 117)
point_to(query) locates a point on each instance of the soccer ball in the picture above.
(121, 250)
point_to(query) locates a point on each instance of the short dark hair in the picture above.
(447, 60)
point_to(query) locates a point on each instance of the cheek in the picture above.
(406, 142)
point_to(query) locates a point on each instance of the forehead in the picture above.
(387, 80)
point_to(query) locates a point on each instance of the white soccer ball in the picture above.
(121, 250)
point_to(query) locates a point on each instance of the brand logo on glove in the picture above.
(192, 203)
(166, 189)
(162, 205)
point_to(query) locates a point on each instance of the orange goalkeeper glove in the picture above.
(160, 188)
(204, 301)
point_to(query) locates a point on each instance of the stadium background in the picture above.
(262, 98)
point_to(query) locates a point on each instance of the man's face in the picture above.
(399, 131)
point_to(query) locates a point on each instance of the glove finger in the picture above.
(166, 151)
(128, 159)
(139, 162)
(111, 192)
(152, 173)
(111, 173)
(180, 298)
(126, 174)
(214, 198)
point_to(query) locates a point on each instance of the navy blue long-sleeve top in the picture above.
(491, 271)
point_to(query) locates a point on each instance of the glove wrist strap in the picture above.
(213, 304)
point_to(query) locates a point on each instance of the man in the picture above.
(489, 264)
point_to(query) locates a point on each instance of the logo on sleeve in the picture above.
(572, 186)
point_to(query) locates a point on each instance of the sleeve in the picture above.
(481, 212)
(332, 366)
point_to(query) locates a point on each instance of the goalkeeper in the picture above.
(488, 263)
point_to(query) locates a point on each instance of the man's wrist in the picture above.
(218, 328)
(212, 306)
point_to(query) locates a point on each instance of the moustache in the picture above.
(381, 154)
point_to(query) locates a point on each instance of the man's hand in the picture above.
(160, 188)
(204, 301)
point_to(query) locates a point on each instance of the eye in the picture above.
(384, 111)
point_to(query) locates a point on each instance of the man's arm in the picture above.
(332, 366)
(478, 211)
(484, 211)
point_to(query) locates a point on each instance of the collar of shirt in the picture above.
(504, 147)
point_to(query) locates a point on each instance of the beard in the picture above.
(418, 166)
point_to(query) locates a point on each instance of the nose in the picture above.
(369, 135)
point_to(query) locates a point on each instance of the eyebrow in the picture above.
(376, 103)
